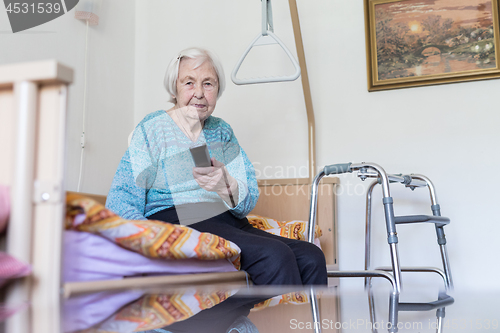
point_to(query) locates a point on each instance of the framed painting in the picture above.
(422, 42)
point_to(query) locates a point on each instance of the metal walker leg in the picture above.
(395, 278)
(409, 181)
(441, 238)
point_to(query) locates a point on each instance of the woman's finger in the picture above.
(203, 170)
(216, 163)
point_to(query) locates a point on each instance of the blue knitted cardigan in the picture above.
(156, 171)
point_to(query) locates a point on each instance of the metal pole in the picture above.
(436, 211)
(368, 228)
(313, 206)
(446, 265)
(315, 311)
(432, 189)
(392, 237)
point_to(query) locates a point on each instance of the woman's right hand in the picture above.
(216, 179)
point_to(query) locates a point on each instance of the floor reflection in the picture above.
(135, 311)
(188, 310)
(269, 310)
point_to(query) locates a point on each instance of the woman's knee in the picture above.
(274, 264)
(311, 256)
(318, 255)
(278, 253)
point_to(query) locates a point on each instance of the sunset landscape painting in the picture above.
(430, 38)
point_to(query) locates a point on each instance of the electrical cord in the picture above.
(82, 137)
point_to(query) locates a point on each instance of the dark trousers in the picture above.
(267, 258)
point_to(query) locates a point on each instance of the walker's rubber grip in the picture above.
(336, 169)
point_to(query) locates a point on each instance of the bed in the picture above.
(33, 99)
(283, 200)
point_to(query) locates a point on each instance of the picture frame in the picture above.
(413, 43)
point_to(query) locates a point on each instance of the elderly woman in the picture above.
(157, 179)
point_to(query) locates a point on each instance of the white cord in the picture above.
(82, 138)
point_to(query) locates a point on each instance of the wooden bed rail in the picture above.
(33, 98)
(239, 278)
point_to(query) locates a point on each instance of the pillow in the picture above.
(297, 297)
(4, 207)
(153, 239)
(11, 268)
(290, 229)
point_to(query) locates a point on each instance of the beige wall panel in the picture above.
(298, 317)
(291, 202)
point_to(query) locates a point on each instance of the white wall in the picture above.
(110, 84)
(445, 132)
(226, 27)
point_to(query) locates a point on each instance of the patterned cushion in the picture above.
(290, 229)
(153, 239)
(148, 312)
(297, 297)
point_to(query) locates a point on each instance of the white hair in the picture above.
(200, 55)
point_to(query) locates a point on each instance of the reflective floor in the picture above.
(257, 309)
(243, 309)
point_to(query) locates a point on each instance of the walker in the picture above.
(372, 170)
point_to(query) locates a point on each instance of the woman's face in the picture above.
(197, 88)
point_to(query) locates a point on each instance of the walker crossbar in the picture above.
(362, 273)
(406, 180)
(394, 296)
(441, 303)
(395, 306)
(443, 300)
(437, 220)
(416, 269)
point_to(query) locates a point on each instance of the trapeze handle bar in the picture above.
(270, 38)
(266, 37)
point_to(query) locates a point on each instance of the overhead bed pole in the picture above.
(310, 123)
(311, 127)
